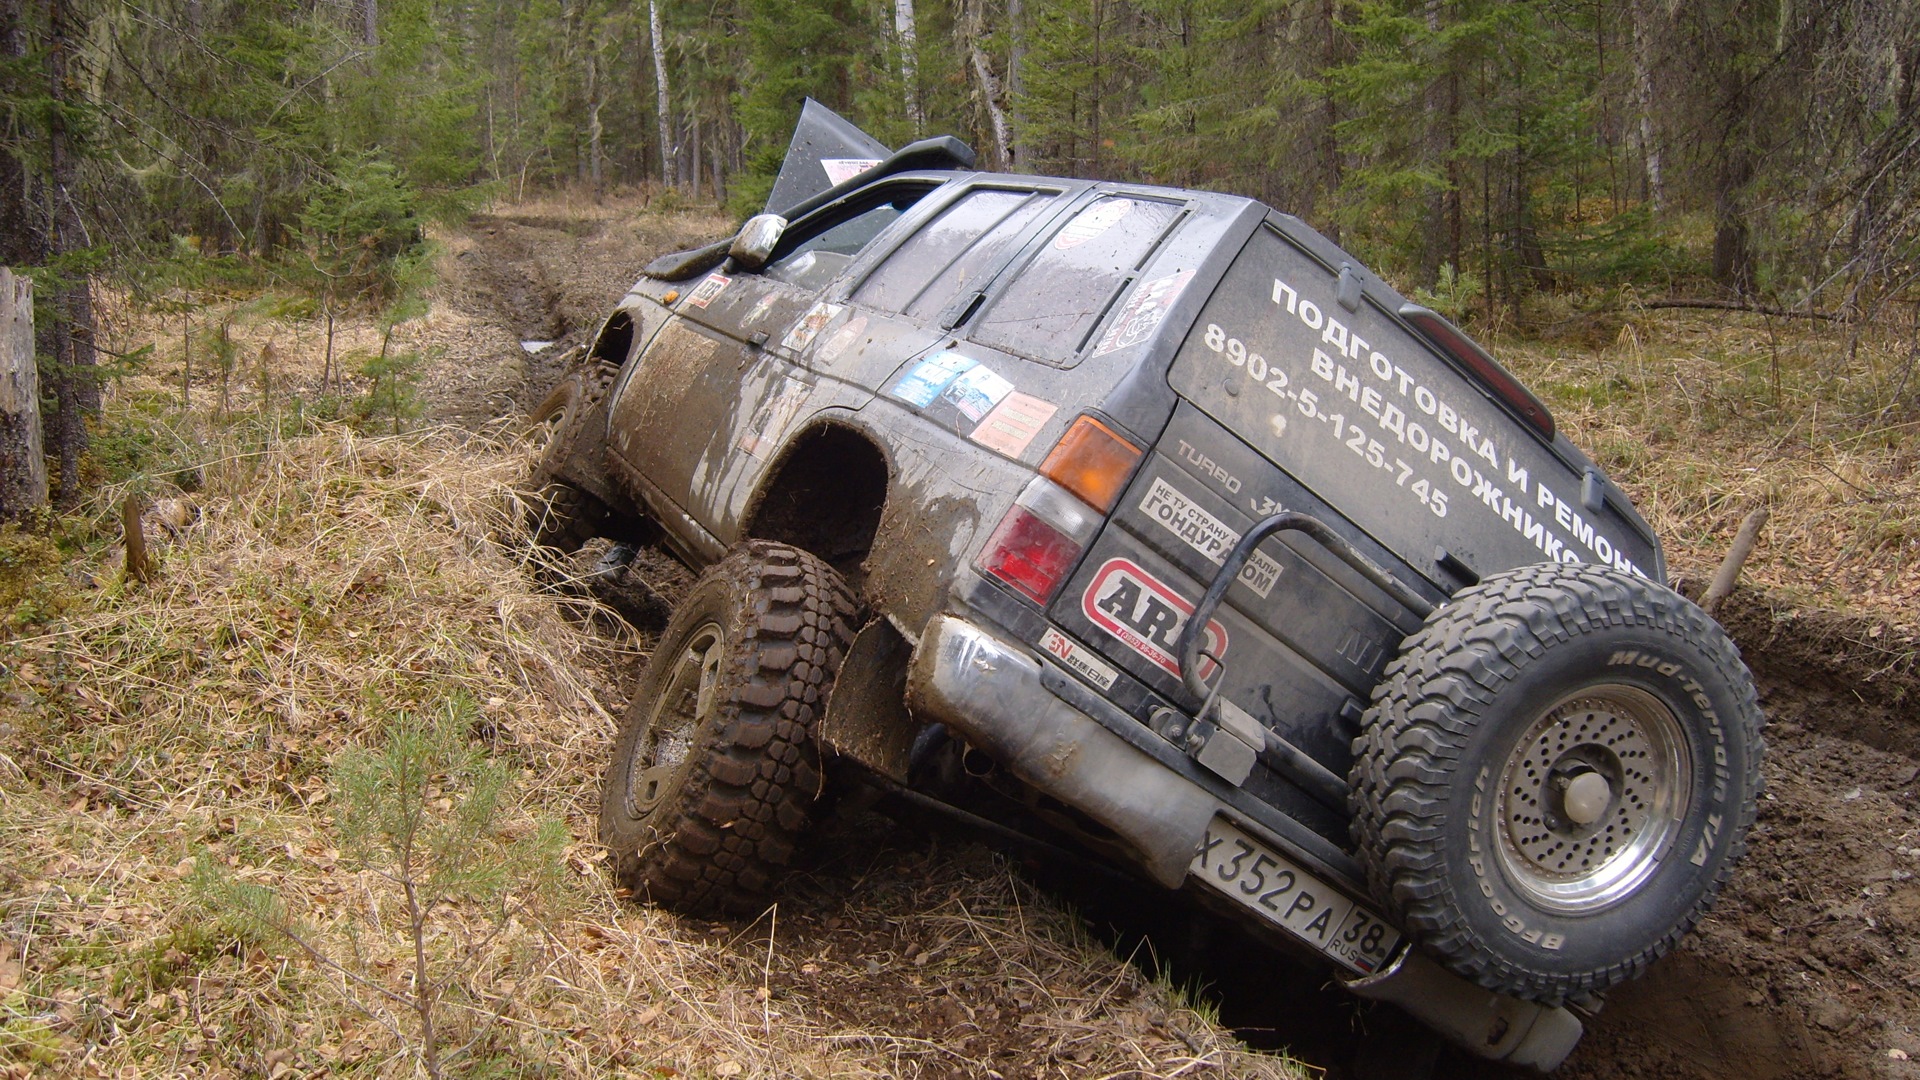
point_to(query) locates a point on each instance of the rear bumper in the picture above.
(991, 692)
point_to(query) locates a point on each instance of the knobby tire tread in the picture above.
(1432, 696)
(563, 515)
(736, 821)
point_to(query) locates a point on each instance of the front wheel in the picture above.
(1556, 777)
(561, 514)
(715, 768)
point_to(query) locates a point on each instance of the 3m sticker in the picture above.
(809, 326)
(921, 384)
(703, 293)
(841, 170)
(1143, 312)
(1079, 660)
(1206, 534)
(1146, 615)
(1011, 426)
(976, 391)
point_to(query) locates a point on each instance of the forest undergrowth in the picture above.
(317, 798)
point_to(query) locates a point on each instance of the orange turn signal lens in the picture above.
(1092, 461)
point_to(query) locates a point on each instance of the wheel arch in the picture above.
(824, 494)
(614, 343)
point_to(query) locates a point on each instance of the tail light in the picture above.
(1041, 538)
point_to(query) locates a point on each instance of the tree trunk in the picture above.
(989, 88)
(594, 130)
(1646, 138)
(904, 31)
(19, 240)
(1016, 81)
(75, 391)
(660, 87)
(1327, 143)
(23, 462)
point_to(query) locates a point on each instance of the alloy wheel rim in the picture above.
(1592, 797)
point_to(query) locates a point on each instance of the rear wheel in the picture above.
(716, 768)
(1556, 777)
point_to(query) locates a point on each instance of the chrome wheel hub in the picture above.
(1591, 798)
(674, 724)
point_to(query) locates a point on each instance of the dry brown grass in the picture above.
(1703, 417)
(331, 582)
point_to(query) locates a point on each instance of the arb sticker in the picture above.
(703, 293)
(1145, 615)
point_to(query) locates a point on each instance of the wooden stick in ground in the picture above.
(1729, 572)
(139, 567)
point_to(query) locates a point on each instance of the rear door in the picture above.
(1298, 395)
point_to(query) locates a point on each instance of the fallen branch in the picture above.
(1739, 305)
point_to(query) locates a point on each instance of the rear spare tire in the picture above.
(1556, 777)
(715, 767)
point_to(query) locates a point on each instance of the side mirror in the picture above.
(754, 243)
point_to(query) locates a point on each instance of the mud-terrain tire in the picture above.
(1556, 777)
(716, 768)
(561, 514)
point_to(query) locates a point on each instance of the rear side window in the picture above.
(1049, 310)
(952, 254)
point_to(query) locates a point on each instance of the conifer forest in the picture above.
(303, 727)
(1492, 150)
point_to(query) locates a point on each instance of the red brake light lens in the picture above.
(1030, 555)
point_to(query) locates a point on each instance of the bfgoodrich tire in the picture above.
(715, 767)
(1556, 777)
(562, 515)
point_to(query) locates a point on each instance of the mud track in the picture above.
(1806, 968)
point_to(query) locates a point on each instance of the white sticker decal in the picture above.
(832, 348)
(770, 420)
(976, 392)
(703, 293)
(1076, 659)
(841, 170)
(1206, 534)
(1012, 425)
(1145, 615)
(809, 326)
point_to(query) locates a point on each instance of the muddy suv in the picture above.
(1148, 521)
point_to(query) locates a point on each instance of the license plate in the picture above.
(1278, 890)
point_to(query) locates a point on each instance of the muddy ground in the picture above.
(1805, 969)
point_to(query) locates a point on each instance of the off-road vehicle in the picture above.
(1150, 519)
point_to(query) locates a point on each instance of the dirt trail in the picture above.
(1805, 969)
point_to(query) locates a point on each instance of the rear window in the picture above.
(1061, 295)
(952, 253)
